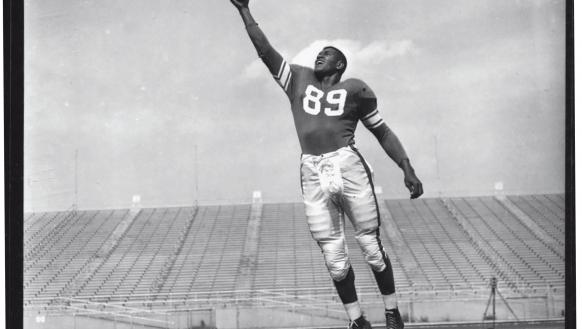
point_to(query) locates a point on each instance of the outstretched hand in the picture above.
(239, 4)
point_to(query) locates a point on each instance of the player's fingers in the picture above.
(414, 195)
(420, 189)
(409, 186)
(415, 190)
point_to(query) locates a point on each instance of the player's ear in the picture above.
(340, 65)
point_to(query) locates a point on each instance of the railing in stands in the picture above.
(314, 298)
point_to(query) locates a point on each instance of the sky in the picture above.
(168, 100)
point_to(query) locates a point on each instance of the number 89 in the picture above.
(312, 101)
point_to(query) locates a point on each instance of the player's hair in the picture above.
(341, 55)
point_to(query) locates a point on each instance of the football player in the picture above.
(336, 181)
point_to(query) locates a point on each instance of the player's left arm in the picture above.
(392, 146)
(388, 140)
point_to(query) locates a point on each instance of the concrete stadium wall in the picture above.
(252, 317)
(174, 320)
(80, 322)
(524, 309)
(416, 311)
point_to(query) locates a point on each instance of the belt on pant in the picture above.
(320, 157)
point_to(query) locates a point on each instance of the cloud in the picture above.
(254, 70)
(360, 56)
(307, 55)
(378, 51)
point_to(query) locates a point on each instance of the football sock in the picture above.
(353, 310)
(385, 278)
(346, 288)
(390, 301)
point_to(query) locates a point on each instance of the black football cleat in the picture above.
(360, 323)
(393, 319)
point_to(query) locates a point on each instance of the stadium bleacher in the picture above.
(61, 247)
(438, 244)
(287, 255)
(211, 251)
(528, 259)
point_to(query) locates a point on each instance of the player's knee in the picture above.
(338, 273)
(338, 267)
(373, 253)
(375, 260)
(378, 265)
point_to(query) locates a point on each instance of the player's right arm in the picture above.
(276, 64)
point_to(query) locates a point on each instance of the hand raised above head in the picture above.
(240, 3)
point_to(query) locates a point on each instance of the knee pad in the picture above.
(336, 257)
(373, 250)
(338, 268)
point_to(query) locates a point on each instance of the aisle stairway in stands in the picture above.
(211, 251)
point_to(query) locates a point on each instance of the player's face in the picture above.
(327, 61)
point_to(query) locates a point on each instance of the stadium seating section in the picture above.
(438, 244)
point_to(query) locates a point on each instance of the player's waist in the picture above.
(350, 149)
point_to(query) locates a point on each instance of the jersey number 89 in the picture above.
(312, 101)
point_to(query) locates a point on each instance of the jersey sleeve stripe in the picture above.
(369, 115)
(372, 119)
(285, 69)
(281, 68)
(287, 82)
(375, 125)
(284, 75)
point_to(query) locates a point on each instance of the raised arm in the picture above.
(266, 52)
(392, 146)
